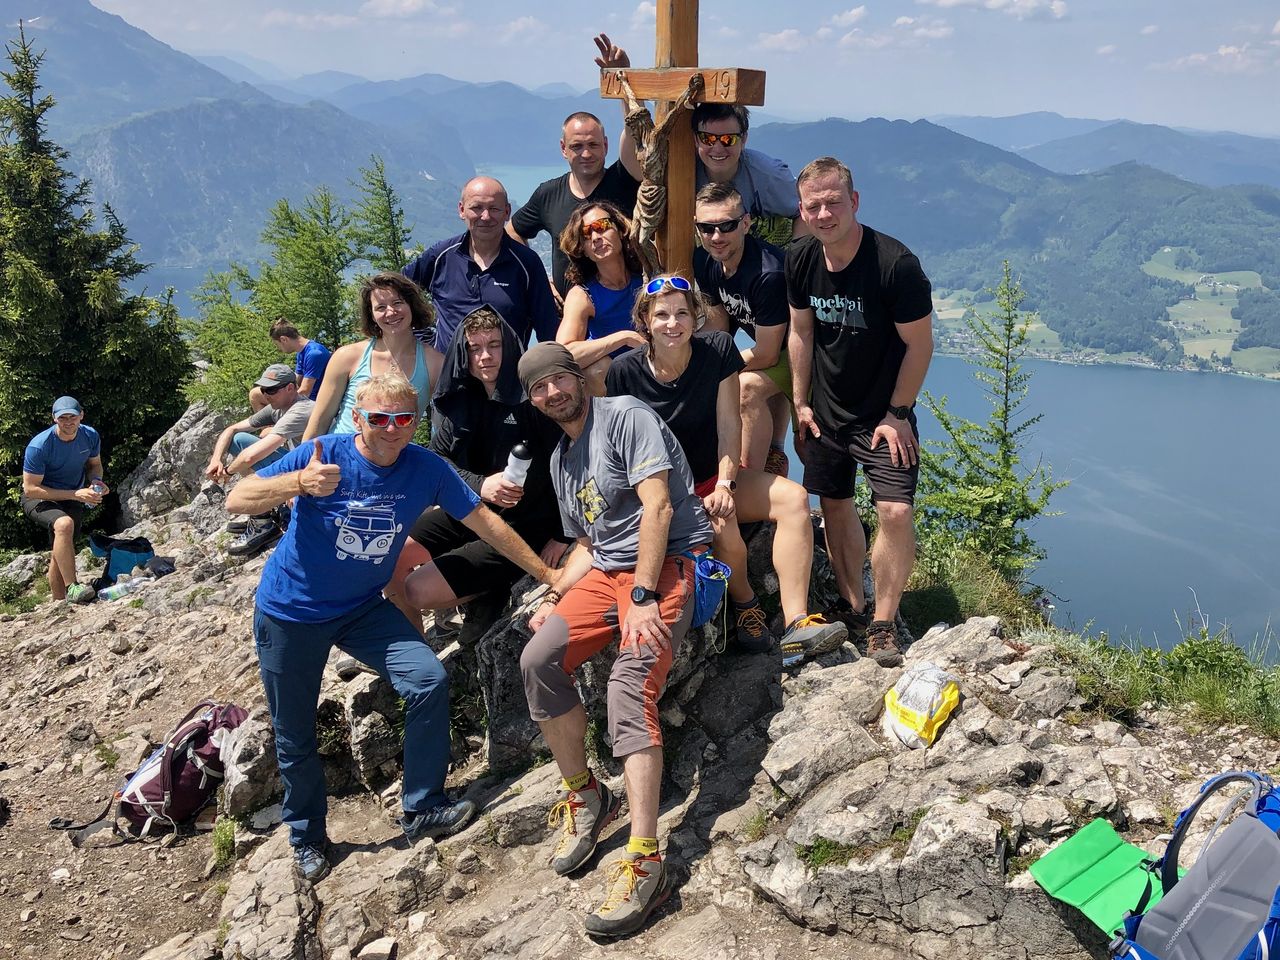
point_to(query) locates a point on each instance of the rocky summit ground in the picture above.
(793, 826)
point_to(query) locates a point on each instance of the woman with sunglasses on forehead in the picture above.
(692, 383)
(605, 276)
(392, 309)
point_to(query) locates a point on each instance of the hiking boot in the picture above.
(777, 462)
(810, 637)
(442, 821)
(310, 862)
(638, 885)
(753, 634)
(585, 813)
(260, 534)
(237, 525)
(882, 643)
(81, 593)
(856, 621)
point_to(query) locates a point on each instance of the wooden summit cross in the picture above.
(675, 62)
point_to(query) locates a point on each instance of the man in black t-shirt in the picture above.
(742, 279)
(584, 145)
(861, 341)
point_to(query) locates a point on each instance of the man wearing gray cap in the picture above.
(625, 493)
(284, 418)
(61, 475)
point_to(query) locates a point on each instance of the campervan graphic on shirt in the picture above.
(367, 530)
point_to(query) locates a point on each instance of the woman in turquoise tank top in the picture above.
(392, 308)
(606, 276)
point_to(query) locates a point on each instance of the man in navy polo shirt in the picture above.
(61, 475)
(484, 266)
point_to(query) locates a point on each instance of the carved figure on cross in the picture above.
(652, 148)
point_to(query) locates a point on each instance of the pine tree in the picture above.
(67, 323)
(378, 224)
(234, 337)
(305, 283)
(974, 485)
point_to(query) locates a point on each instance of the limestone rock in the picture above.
(172, 472)
(252, 775)
(187, 946)
(269, 910)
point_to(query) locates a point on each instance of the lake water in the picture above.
(1167, 512)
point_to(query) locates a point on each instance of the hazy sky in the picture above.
(1175, 62)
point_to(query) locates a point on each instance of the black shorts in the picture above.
(47, 512)
(468, 564)
(830, 468)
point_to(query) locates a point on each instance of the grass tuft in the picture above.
(224, 843)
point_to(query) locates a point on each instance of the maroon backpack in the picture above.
(173, 784)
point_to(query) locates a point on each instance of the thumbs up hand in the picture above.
(317, 478)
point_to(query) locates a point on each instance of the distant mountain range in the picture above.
(1076, 145)
(192, 158)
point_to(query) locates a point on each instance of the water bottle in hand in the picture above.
(518, 465)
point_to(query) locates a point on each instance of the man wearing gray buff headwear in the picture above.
(625, 493)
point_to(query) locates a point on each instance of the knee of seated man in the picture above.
(540, 652)
(755, 387)
(64, 526)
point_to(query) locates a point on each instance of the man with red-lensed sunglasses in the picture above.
(357, 495)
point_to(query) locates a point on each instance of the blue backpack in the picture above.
(122, 555)
(1227, 905)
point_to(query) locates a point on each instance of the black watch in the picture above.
(902, 413)
(643, 595)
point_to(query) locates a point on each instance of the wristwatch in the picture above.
(731, 484)
(643, 595)
(902, 413)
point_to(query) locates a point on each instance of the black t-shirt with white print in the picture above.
(856, 348)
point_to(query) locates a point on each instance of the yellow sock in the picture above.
(645, 846)
(577, 783)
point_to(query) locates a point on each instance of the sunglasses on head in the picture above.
(597, 226)
(709, 139)
(724, 226)
(678, 283)
(380, 418)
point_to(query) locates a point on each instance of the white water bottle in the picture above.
(518, 465)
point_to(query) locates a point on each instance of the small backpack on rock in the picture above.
(173, 784)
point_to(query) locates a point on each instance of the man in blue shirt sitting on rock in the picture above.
(485, 266)
(357, 495)
(61, 475)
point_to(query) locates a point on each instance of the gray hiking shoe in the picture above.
(260, 534)
(638, 885)
(810, 637)
(80, 593)
(882, 643)
(584, 814)
(438, 822)
(310, 862)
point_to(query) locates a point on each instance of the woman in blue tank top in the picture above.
(605, 276)
(392, 310)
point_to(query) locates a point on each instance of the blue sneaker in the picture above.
(310, 862)
(442, 821)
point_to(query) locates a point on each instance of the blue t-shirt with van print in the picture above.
(340, 550)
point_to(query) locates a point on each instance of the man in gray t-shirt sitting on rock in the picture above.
(286, 416)
(625, 492)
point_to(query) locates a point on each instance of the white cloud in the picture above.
(1231, 58)
(1021, 9)
(931, 29)
(308, 21)
(850, 17)
(857, 40)
(645, 13)
(1276, 29)
(1149, 29)
(728, 33)
(1106, 50)
(904, 21)
(823, 33)
(522, 27)
(396, 8)
(789, 40)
